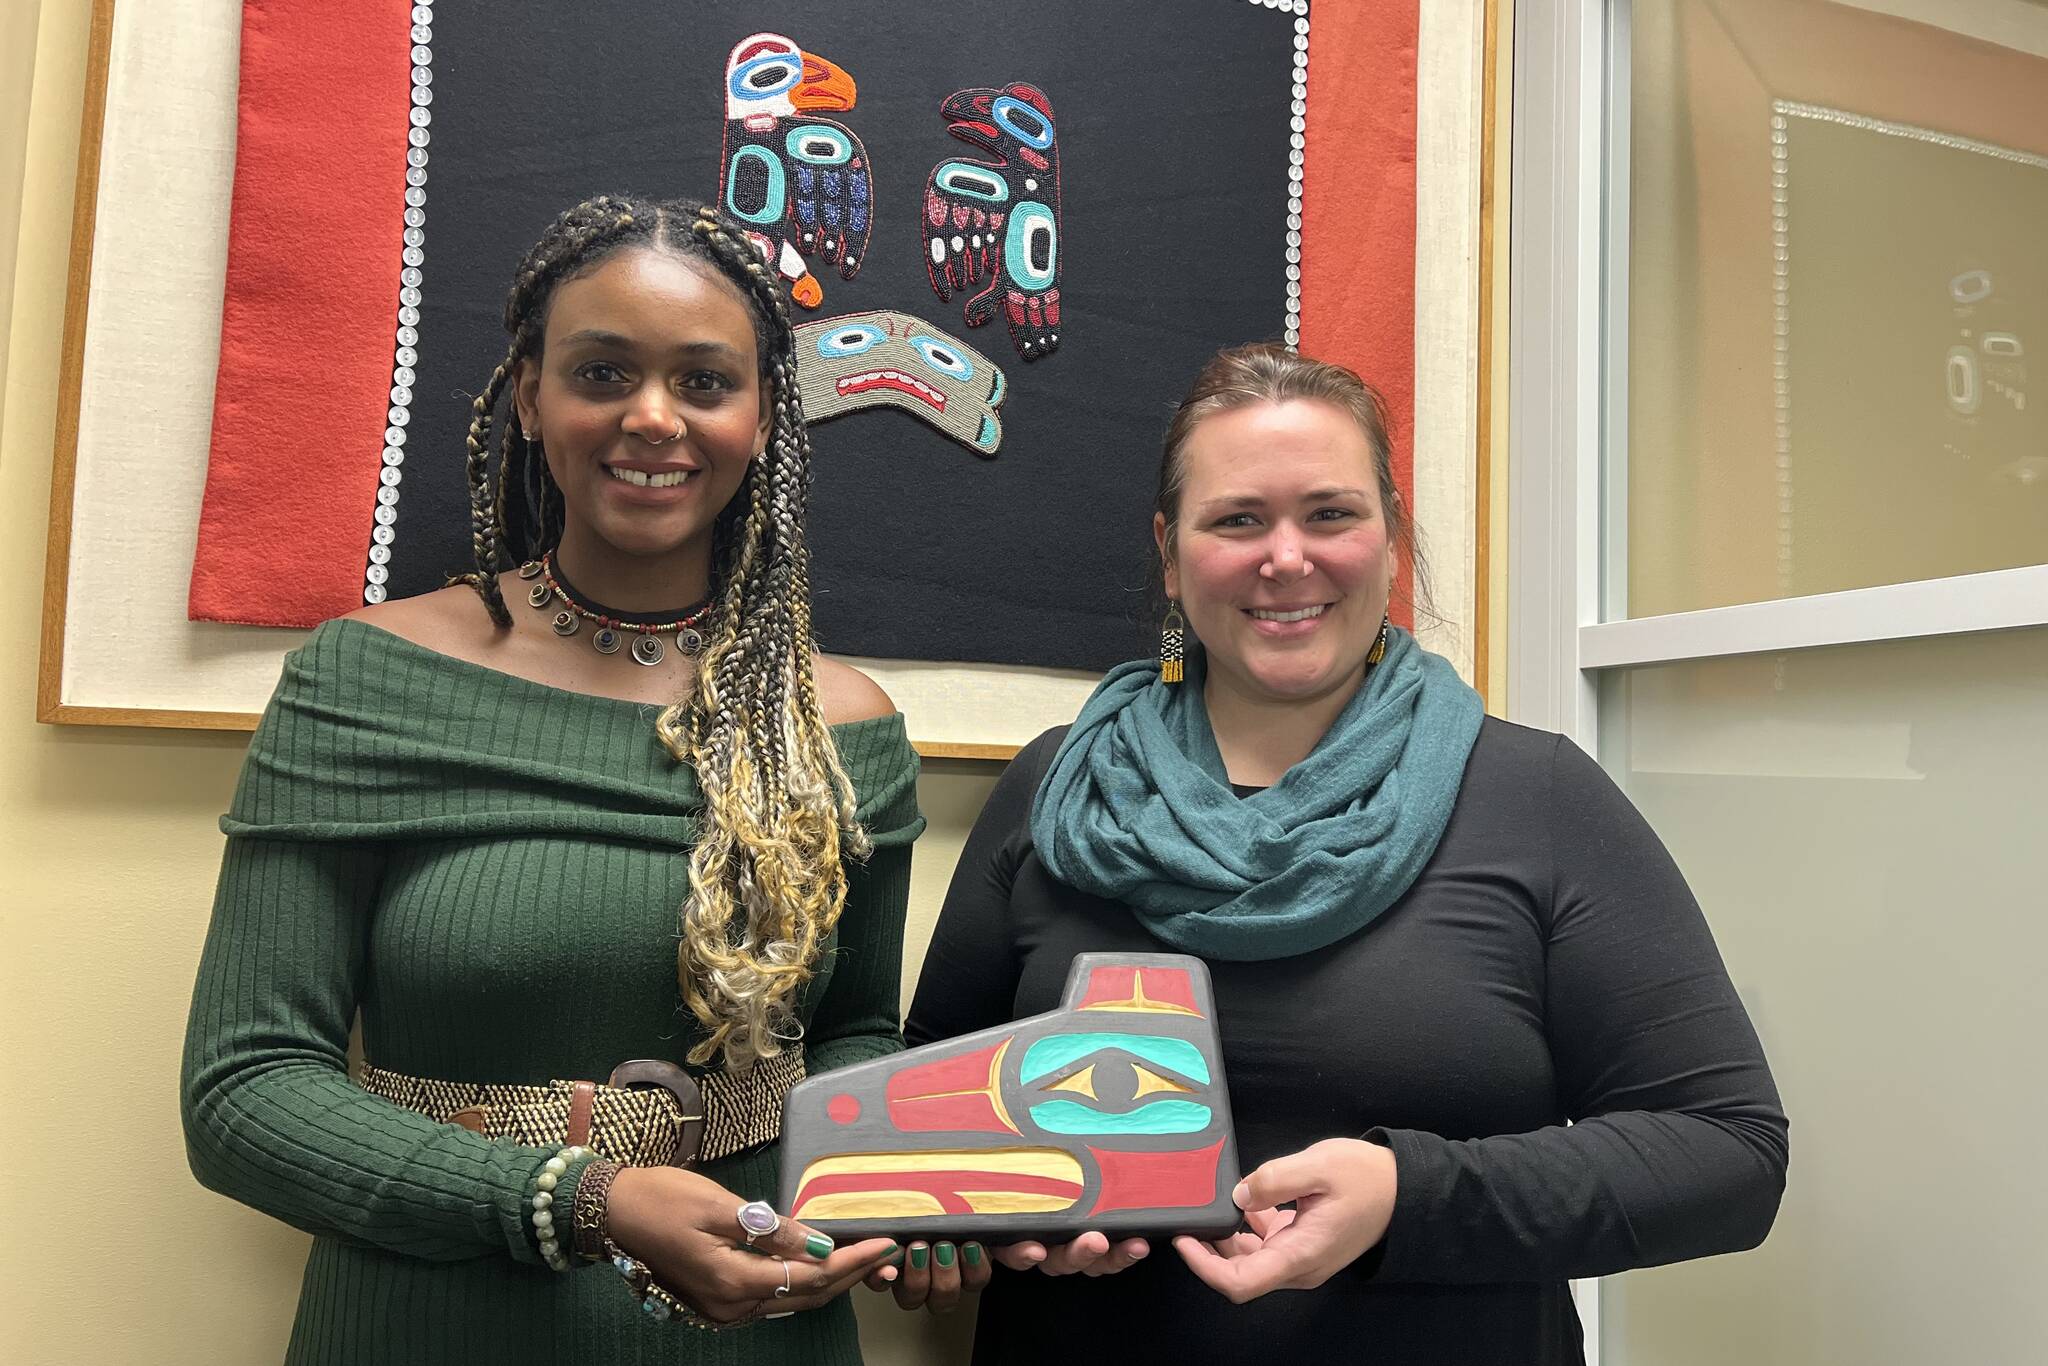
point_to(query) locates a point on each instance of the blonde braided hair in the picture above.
(767, 879)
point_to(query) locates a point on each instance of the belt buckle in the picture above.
(644, 1074)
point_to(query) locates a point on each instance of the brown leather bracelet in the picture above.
(593, 1193)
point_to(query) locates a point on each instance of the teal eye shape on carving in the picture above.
(972, 181)
(850, 340)
(1056, 1051)
(942, 357)
(1159, 1117)
(819, 145)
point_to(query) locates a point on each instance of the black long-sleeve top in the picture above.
(1541, 1030)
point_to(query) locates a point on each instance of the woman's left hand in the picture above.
(1343, 1194)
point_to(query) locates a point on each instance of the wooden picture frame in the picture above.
(141, 336)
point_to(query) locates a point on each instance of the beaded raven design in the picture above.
(800, 183)
(996, 224)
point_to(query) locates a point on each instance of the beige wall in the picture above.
(17, 71)
(110, 846)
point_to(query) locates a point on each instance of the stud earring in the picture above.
(1173, 637)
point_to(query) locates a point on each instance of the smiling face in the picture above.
(648, 402)
(1280, 553)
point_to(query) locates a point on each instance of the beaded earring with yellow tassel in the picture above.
(1379, 647)
(1173, 645)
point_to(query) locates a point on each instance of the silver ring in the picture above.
(758, 1219)
(676, 435)
(782, 1291)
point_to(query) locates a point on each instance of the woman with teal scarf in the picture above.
(1478, 1038)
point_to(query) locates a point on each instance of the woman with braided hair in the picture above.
(603, 854)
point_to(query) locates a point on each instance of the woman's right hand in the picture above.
(686, 1228)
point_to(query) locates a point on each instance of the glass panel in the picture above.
(1838, 296)
(1864, 828)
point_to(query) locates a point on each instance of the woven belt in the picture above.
(648, 1114)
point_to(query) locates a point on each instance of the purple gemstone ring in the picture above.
(758, 1219)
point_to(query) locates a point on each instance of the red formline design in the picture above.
(1173, 1180)
(1161, 989)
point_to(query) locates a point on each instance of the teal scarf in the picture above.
(1137, 807)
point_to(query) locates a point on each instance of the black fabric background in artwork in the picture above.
(1173, 133)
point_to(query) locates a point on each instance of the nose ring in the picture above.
(676, 435)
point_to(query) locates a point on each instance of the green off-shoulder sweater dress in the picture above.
(489, 870)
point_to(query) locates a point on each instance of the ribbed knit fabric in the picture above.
(490, 870)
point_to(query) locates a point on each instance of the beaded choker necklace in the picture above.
(612, 627)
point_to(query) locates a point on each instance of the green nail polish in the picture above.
(818, 1245)
(896, 1257)
(918, 1255)
(945, 1254)
(973, 1251)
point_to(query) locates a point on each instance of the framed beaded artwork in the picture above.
(310, 244)
(1111, 1113)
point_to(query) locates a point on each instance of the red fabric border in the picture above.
(1358, 211)
(306, 355)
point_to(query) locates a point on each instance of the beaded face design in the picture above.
(647, 400)
(886, 359)
(1281, 558)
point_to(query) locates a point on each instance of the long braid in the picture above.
(768, 884)
(483, 535)
(767, 881)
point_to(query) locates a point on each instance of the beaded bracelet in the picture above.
(551, 1173)
(657, 1301)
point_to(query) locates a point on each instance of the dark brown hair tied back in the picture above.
(1265, 372)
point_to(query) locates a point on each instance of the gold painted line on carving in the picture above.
(995, 1088)
(1138, 1003)
(1150, 1082)
(1047, 1162)
(870, 1205)
(1015, 1202)
(992, 1089)
(1081, 1083)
